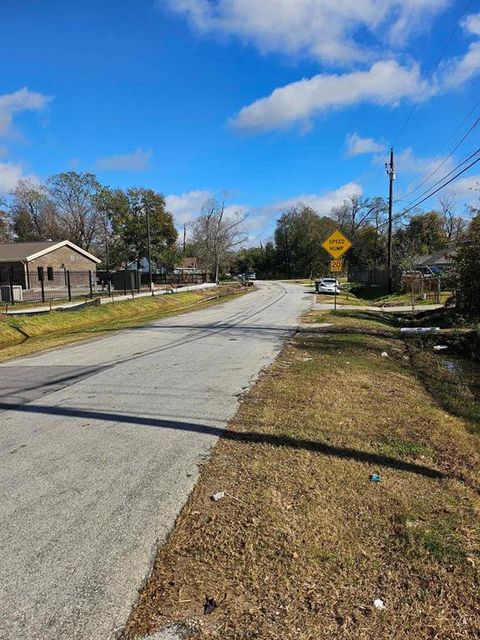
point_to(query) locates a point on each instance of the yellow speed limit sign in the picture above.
(336, 266)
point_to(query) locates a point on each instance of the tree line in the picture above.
(296, 248)
(111, 223)
(108, 222)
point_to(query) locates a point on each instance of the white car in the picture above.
(327, 285)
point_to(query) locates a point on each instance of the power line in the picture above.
(425, 180)
(441, 186)
(472, 155)
(437, 64)
(415, 106)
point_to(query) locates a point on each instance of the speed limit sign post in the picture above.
(336, 266)
(336, 244)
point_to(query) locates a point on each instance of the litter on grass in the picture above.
(375, 477)
(440, 347)
(384, 354)
(218, 496)
(419, 329)
(379, 604)
(209, 605)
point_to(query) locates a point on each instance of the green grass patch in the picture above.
(23, 334)
(393, 446)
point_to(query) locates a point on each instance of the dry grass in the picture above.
(343, 298)
(398, 299)
(20, 335)
(304, 542)
(361, 320)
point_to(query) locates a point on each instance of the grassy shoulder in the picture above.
(304, 542)
(394, 300)
(20, 335)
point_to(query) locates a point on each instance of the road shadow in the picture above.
(246, 437)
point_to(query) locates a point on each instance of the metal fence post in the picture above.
(90, 283)
(69, 286)
(42, 286)
(12, 299)
(125, 282)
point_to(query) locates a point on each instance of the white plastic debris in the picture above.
(384, 354)
(440, 347)
(379, 604)
(419, 329)
(218, 496)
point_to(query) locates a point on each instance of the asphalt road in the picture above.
(99, 449)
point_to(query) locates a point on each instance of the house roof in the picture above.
(26, 251)
(188, 263)
(441, 257)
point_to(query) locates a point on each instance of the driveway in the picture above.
(99, 449)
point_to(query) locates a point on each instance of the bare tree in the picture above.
(32, 214)
(357, 211)
(4, 226)
(215, 234)
(455, 226)
(74, 198)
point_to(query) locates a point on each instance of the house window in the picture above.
(50, 273)
(40, 273)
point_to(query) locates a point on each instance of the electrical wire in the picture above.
(415, 106)
(439, 166)
(405, 211)
(437, 64)
(472, 155)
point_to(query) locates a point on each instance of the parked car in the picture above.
(251, 275)
(327, 285)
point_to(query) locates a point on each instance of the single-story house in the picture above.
(438, 261)
(187, 265)
(31, 262)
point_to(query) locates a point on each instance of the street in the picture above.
(100, 446)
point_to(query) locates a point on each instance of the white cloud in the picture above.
(467, 190)
(21, 100)
(356, 145)
(325, 30)
(457, 71)
(10, 174)
(186, 206)
(385, 83)
(138, 160)
(322, 203)
(471, 24)
(407, 162)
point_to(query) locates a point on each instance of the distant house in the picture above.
(30, 262)
(438, 261)
(188, 265)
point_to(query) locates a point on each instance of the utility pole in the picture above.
(184, 238)
(150, 279)
(390, 167)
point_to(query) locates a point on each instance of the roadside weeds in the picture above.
(310, 542)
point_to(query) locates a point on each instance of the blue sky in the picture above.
(269, 102)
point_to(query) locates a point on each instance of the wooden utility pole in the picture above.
(184, 238)
(390, 167)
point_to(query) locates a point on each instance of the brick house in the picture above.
(29, 262)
